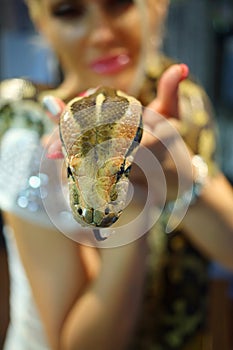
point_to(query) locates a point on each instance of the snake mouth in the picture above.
(90, 208)
(93, 217)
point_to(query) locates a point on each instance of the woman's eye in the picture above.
(118, 5)
(68, 11)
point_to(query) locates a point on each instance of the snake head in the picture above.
(100, 134)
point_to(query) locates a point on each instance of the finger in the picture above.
(167, 102)
(55, 150)
(53, 145)
(54, 107)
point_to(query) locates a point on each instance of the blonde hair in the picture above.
(33, 7)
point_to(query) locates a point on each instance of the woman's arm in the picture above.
(209, 222)
(104, 316)
(55, 271)
(87, 299)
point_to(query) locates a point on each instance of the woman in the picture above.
(76, 296)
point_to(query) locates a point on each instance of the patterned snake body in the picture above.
(100, 134)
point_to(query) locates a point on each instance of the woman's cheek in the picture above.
(65, 36)
(71, 33)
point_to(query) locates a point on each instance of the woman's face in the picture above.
(98, 42)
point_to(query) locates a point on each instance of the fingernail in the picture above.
(55, 155)
(82, 94)
(52, 106)
(54, 151)
(184, 71)
(87, 92)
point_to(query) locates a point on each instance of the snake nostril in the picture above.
(80, 211)
(114, 219)
(107, 211)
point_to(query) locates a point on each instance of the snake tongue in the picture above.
(98, 236)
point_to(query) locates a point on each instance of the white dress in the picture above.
(28, 188)
(25, 331)
(18, 147)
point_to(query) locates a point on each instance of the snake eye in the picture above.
(138, 135)
(69, 172)
(120, 173)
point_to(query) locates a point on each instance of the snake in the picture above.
(100, 134)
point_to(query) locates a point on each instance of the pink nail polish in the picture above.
(184, 71)
(55, 155)
(87, 92)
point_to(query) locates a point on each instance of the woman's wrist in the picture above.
(174, 211)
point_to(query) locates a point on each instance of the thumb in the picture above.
(166, 102)
(54, 107)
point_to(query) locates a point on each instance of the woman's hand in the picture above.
(171, 168)
(54, 107)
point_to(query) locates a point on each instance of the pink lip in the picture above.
(110, 64)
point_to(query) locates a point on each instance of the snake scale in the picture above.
(100, 134)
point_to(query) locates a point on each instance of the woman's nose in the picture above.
(102, 29)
